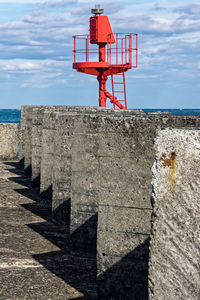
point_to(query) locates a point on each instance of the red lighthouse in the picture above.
(106, 54)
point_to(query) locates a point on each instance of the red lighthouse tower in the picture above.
(106, 54)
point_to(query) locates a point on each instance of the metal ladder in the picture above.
(118, 80)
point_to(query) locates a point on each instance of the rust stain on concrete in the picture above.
(170, 162)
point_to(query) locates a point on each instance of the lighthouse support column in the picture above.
(102, 88)
(102, 78)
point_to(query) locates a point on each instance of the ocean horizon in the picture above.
(14, 115)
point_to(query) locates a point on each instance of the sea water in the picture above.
(10, 116)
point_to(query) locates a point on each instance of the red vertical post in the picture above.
(125, 49)
(74, 48)
(87, 48)
(130, 49)
(102, 78)
(122, 41)
(102, 52)
(136, 50)
(116, 48)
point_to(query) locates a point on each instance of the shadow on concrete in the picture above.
(12, 164)
(84, 298)
(84, 238)
(61, 214)
(36, 182)
(21, 163)
(39, 209)
(78, 272)
(30, 193)
(28, 171)
(20, 180)
(128, 278)
(57, 235)
(47, 195)
(16, 171)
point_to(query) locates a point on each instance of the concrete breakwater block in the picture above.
(84, 185)
(51, 148)
(29, 123)
(31, 139)
(126, 155)
(36, 145)
(9, 141)
(26, 138)
(124, 216)
(85, 181)
(48, 151)
(39, 135)
(62, 160)
(102, 173)
(61, 174)
(175, 243)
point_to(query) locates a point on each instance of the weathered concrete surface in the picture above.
(84, 191)
(26, 138)
(126, 155)
(36, 143)
(28, 118)
(50, 149)
(124, 215)
(9, 141)
(174, 271)
(62, 160)
(85, 181)
(35, 262)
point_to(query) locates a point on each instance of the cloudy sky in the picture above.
(36, 52)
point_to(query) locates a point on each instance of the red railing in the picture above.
(124, 51)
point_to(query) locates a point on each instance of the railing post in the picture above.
(125, 49)
(87, 48)
(116, 48)
(74, 49)
(122, 49)
(136, 50)
(130, 49)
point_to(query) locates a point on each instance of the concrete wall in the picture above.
(62, 160)
(9, 141)
(26, 139)
(100, 168)
(49, 136)
(84, 182)
(175, 241)
(36, 144)
(124, 215)
(84, 187)
(31, 135)
(126, 155)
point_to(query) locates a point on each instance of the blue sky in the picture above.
(36, 52)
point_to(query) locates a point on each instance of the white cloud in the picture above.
(40, 45)
(58, 3)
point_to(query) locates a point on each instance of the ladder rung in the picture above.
(118, 82)
(119, 92)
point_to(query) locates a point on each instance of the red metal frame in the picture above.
(113, 58)
(111, 50)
